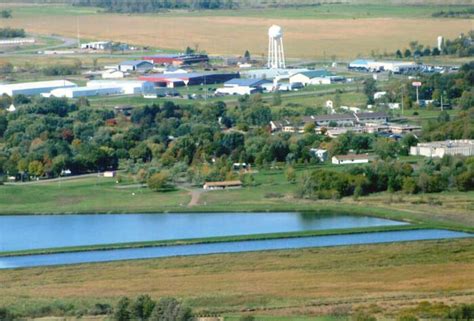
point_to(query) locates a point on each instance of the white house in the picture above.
(439, 149)
(350, 159)
(136, 66)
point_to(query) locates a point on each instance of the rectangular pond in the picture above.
(225, 247)
(28, 232)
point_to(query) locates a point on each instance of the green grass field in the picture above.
(87, 195)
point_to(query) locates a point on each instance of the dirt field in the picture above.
(392, 276)
(304, 38)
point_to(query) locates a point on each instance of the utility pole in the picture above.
(78, 33)
(403, 90)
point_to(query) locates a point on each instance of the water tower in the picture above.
(276, 54)
(440, 43)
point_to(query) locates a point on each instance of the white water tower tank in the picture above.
(275, 32)
(440, 43)
(276, 53)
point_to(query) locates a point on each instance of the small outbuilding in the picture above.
(350, 159)
(222, 185)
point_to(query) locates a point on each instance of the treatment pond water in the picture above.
(26, 232)
(224, 247)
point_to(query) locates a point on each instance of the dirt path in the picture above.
(195, 196)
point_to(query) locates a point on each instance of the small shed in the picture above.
(222, 185)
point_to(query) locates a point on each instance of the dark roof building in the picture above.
(177, 59)
(188, 79)
(246, 82)
(325, 120)
(377, 117)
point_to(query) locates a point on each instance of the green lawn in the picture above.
(86, 195)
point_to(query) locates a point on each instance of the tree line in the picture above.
(140, 6)
(462, 46)
(5, 13)
(447, 173)
(12, 33)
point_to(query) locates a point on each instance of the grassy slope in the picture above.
(295, 282)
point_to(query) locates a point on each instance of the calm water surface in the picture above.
(225, 247)
(19, 232)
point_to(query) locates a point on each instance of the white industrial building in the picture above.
(376, 66)
(84, 92)
(97, 45)
(439, 149)
(103, 88)
(127, 87)
(35, 88)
